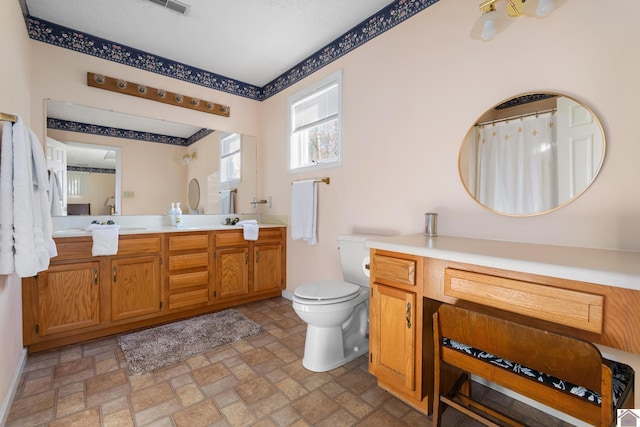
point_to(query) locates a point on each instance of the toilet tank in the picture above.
(354, 256)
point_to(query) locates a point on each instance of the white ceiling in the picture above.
(252, 41)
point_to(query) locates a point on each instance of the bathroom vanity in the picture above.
(157, 276)
(591, 294)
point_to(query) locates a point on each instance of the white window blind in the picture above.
(315, 123)
(77, 183)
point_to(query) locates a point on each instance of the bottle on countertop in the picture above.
(172, 214)
(178, 215)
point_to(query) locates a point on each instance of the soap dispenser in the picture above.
(172, 214)
(178, 215)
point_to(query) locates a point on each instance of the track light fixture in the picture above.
(492, 20)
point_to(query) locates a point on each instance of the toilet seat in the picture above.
(326, 292)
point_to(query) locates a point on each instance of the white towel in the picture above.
(227, 205)
(55, 194)
(304, 207)
(250, 229)
(6, 200)
(105, 239)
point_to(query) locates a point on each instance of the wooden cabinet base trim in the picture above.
(40, 344)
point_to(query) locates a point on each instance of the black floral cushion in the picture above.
(622, 374)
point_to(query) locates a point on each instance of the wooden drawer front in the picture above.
(185, 299)
(179, 262)
(562, 306)
(73, 248)
(396, 270)
(186, 280)
(140, 245)
(270, 235)
(234, 238)
(188, 242)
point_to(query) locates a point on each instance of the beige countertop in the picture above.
(601, 266)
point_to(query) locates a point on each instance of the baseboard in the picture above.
(13, 387)
(287, 294)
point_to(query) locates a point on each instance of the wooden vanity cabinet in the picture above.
(154, 278)
(232, 265)
(397, 324)
(134, 274)
(269, 261)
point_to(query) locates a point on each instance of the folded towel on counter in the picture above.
(105, 239)
(304, 201)
(250, 229)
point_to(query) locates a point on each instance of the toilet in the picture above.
(337, 311)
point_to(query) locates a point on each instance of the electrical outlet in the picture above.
(127, 194)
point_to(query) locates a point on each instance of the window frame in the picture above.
(301, 96)
(238, 152)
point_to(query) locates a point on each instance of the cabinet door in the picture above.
(393, 339)
(135, 286)
(68, 297)
(232, 272)
(267, 268)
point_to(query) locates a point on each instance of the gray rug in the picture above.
(161, 346)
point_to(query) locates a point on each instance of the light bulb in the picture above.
(545, 7)
(488, 30)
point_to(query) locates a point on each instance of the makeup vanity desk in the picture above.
(593, 294)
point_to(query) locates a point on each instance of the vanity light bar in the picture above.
(153, 94)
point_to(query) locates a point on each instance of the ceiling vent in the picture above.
(174, 5)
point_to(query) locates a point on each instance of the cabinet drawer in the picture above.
(140, 245)
(396, 270)
(563, 306)
(234, 238)
(178, 262)
(185, 299)
(186, 280)
(270, 235)
(73, 248)
(187, 242)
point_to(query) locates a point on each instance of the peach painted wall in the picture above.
(14, 99)
(411, 95)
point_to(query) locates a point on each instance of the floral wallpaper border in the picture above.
(70, 126)
(387, 18)
(90, 170)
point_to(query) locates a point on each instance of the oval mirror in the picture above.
(531, 154)
(194, 195)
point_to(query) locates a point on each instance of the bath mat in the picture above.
(161, 346)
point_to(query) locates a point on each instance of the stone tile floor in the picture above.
(255, 382)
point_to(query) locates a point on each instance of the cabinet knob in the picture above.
(95, 275)
(408, 315)
(115, 269)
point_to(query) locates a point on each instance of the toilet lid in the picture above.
(325, 290)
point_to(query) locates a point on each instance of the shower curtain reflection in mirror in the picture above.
(517, 164)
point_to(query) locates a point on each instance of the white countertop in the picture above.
(75, 226)
(602, 266)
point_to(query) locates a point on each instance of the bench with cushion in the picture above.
(564, 373)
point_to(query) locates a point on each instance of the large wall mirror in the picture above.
(532, 154)
(107, 162)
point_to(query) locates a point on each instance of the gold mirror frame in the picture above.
(532, 104)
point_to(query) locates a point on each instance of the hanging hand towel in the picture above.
(227, 205)
(105, 239)
(304, 201)
(6, 200)
(55, 194)
(250, 229)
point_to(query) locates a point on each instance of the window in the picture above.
(77, 183)
(230, 158)
(315, 125)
